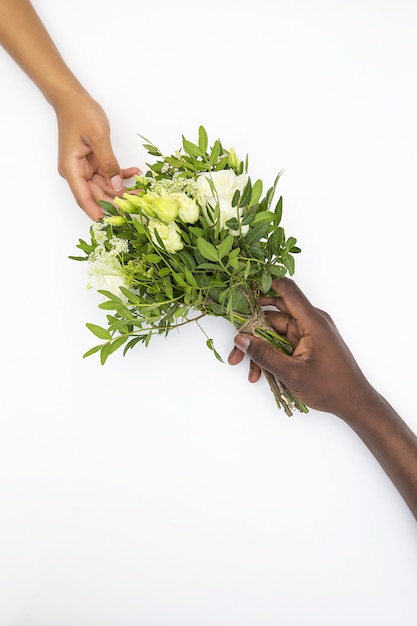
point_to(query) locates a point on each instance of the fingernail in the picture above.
(117, 182)
(242, 342)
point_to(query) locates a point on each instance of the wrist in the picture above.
(361, 406)
(65, 93)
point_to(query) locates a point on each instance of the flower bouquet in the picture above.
(195, 236)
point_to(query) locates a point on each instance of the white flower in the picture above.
(188, 209)
(119, 246)
(106, 273)
(169, 234)
(99, 232)
(225, 182)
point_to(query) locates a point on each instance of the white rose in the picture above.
(169, 233)
(225, 182)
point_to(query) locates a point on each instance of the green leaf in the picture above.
(209, 344)
(151, 149)
(209, 266)
(257, 233)
(207, 249)
(109, 305)
(215, 152)
(248, 217)
(233, 223)
(291, 241)
(92, 351)
(235, 198)
(257, 252)
(110, 295)
(266, 281)
(256, 193)
(263, 217)
(289, 262)
(190, 277)
(152, 258)
(276, 239)
(202, 139)
(131, 344)
(195, 230)
(246, 194)
(181, 311)
(99, 332)
(108, 207)
(133, 298)
(225, 246)
(178, 278)
(117, 343)
(278, 210)
(187, 258)
(220, 165)
(191, 148)
(105, 352)
(278, 271)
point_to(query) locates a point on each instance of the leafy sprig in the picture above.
(172, 272)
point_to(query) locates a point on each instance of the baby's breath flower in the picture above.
(99, 234)
(119, 246)
(175, 185)
(106, 272)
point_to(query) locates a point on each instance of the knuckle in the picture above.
(109, 166)
(260, 352)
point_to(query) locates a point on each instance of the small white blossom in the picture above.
(106, 272)
(119, 246)
(175, 185)
(99, 233)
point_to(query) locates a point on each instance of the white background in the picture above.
(162, 489)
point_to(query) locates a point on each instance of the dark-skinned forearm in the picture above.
(390, 440)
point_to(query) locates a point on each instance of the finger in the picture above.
(107, 164)
(236, 356)
(108, 188)
(284, 325)
(275, 301)
(255, 372)
(126, 173)
(293, 301)
(129, 172)
(82, 191)
(266, 356)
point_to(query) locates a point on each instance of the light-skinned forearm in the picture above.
(27, 41)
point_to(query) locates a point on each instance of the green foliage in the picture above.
(225, 258)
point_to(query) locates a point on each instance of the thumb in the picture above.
(107, 163)
(266, 356)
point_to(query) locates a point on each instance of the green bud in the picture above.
(233, 160)
(165, 207)
(135, 200)
(124, 205)
(115, 220)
